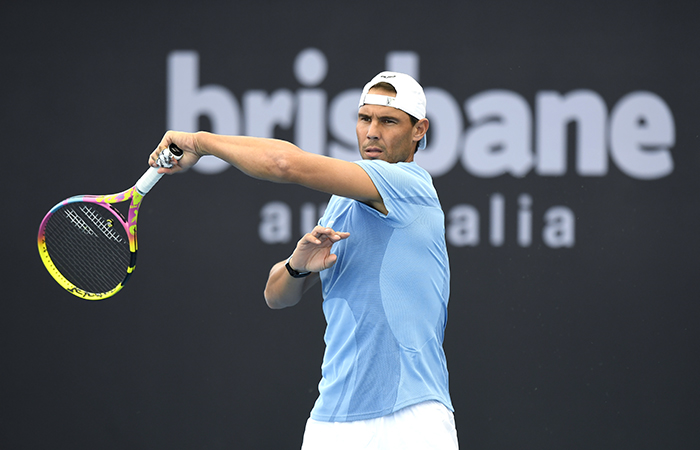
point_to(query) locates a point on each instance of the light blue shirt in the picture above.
(385, 300)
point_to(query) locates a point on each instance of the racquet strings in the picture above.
(89, 246)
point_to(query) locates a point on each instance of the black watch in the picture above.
(295, 273)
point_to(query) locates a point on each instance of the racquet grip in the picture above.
(151, 177)
(148, 180)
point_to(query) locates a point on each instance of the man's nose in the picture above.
(373, 131)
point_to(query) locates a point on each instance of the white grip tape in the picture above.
(148, 180)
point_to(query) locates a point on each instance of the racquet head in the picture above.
(87, 245)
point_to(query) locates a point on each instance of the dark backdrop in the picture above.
(580, 334)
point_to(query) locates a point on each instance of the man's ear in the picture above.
(420, 128)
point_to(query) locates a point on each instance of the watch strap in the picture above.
(295, 273)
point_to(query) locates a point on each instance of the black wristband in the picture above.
(295, 273)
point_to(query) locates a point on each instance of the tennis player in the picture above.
(379, 251)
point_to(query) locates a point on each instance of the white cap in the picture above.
(410, 97)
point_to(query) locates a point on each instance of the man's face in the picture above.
(384, 132)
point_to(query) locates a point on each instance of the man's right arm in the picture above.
(312, 254)
(282, 290)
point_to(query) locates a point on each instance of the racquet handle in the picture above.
(151, 177)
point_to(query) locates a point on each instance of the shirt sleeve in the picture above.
(405, 188)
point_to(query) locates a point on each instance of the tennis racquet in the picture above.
(88, 246)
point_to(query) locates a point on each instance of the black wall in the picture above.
(576, 327)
